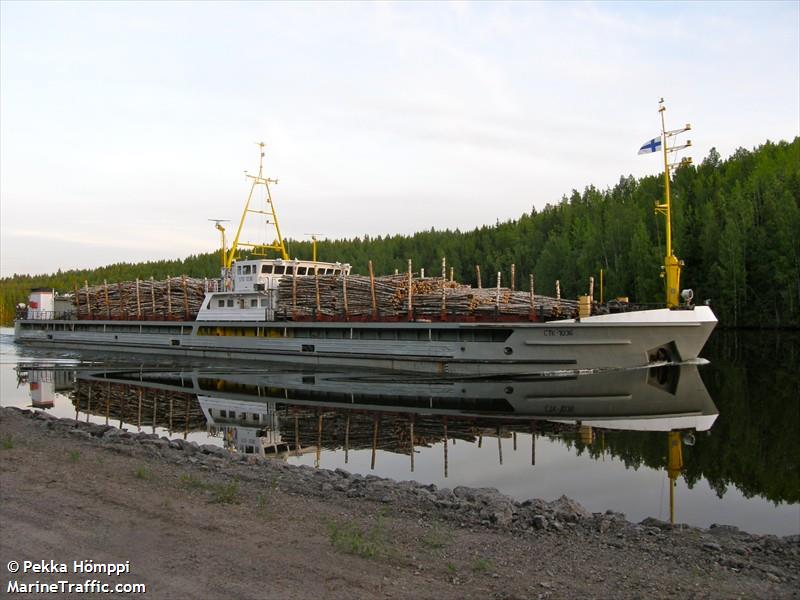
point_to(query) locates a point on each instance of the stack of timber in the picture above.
(175, 298)
(431, 298)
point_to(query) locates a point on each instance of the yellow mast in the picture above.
(258, 249)
(672, 266)
(223, 252)
(313, 245)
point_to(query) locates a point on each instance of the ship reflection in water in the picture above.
(289, 414)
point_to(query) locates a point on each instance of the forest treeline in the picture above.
(736, 224)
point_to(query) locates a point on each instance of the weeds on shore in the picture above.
(348, 537)
(481, 565)
(262, 505)
(436, 538)
(193, 483)
(8, 442)
(143, 473)
(74, 456)
(226, 493)
(221, 493)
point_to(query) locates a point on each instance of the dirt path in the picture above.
(195, 524)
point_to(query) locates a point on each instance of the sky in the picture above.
(124, 127)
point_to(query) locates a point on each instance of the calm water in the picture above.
(724, 433)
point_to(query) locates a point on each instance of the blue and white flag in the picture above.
(653, 145)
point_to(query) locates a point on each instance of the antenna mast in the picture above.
(271, 217)
(672, 265)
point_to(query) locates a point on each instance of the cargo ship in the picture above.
(317, 313)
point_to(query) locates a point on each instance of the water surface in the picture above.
(722, 435)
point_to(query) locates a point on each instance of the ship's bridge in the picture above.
(250, 287)
(264, 274)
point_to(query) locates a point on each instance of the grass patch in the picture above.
(143, 473)
(481, 565)
(262, 505)
(350, 538)
(436, 538)
(221, 493)
(225, 493)
(193, 483)
(8, 442)
(74, 456)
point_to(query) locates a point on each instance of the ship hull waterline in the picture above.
(624, 340)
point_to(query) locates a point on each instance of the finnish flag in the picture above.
(653, 145)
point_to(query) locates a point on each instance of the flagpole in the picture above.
(667, 215)
(672, 265)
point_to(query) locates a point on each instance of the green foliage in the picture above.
(736, 224)
(262, 505)
(481, 565)
(348, 537)
(436, 538)
(143, 473)
(74, 456)
(225, 493)
(8, 442)
(221, 493)
(191, 482)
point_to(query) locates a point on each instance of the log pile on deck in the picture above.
(431, 298)
(174, 298)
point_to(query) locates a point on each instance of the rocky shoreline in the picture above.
(770, 564)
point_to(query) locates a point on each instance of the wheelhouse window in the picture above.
(264, 302)
(301, 270)
(221, 303)
(230, 302)
(266, 269)
(280, 269)
(253, 302)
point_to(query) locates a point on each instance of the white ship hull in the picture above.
(622, 340)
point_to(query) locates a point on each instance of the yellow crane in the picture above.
(267, 211)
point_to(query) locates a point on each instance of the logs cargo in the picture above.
(175, 298)
(342, 296)
(325, 297)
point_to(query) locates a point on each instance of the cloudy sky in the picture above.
(125, 126)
